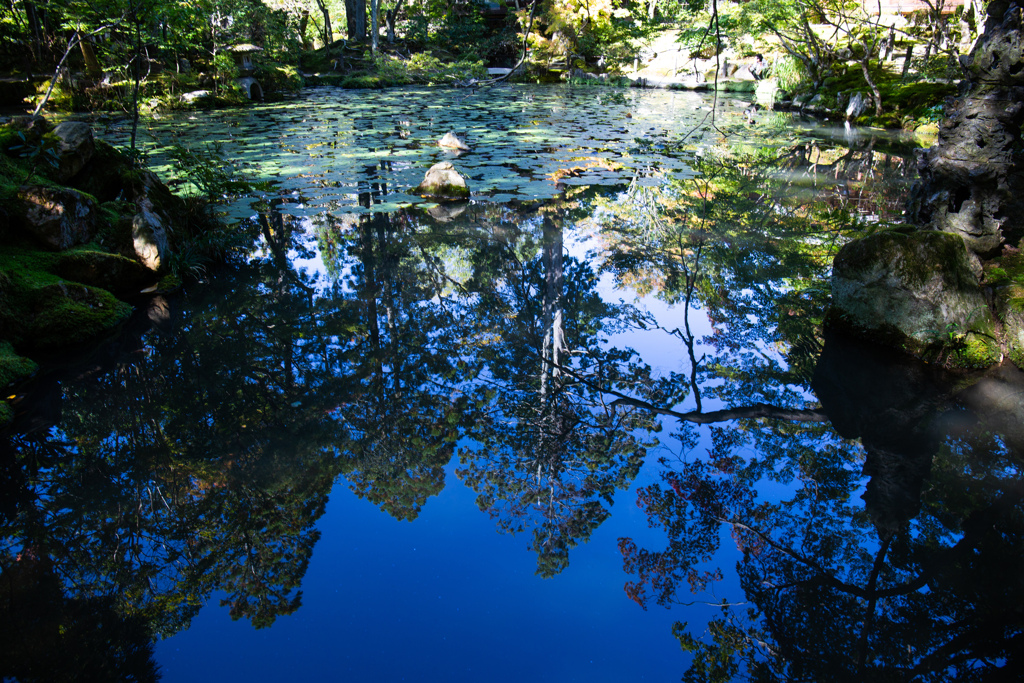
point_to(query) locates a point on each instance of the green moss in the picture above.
(976, 351)
(12, 366)
(40, 309)
(996, 276)
(70, 313)
(362, 82)
(115, 231)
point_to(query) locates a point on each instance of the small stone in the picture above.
(442, 181)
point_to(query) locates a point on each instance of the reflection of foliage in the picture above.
(552, 451)
(832, 590)
(765, 226)
(831, 595)
(208, 464)
(47, 637)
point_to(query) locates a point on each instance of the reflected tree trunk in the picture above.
(553, 311)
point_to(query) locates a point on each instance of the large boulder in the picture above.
(76, 145)
(57, 218)
(442, 181)
(913, 289)
(67, 313)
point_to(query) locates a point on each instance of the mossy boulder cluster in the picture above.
(82, 232)
(952, 287)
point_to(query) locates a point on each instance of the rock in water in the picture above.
(442, 181)
(453, 140)
(911, 289)
(149, 235)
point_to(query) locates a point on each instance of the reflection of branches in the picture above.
(758, 410)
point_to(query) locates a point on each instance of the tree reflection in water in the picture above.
(470, 331)
(915, 583)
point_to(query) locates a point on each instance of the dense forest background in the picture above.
(110, 55)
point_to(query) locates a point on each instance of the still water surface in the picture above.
(551, 434)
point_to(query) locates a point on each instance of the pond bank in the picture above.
(86, 234)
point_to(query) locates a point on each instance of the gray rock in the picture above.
(57, 218)
(918, 286)
(149, 235)
(453, 140)
(194, 96)
(442, 181)
(857, 105)
(76, 147)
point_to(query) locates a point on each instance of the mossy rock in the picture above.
(107, 174)
(71, 313)
(1009, 301)
(39, 309)
(916, 291)
(112, 272)
(115, 231)
(975, 351)
(443, 181)
(12, 366)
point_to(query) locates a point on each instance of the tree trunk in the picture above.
(355, 12)
(37, 32)
(391, 17)
(92, 65)
(374, 25)
(328, 31)
(303, 26)
(876, 94)
(972, 183)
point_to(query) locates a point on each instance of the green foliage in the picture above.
(279, 78)
(38, 154)
(790, 74)
(454, 29)
(209, 170)
(225, 71)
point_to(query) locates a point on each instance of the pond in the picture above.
(589, 425)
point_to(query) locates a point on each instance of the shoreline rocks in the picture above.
(951, 290)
